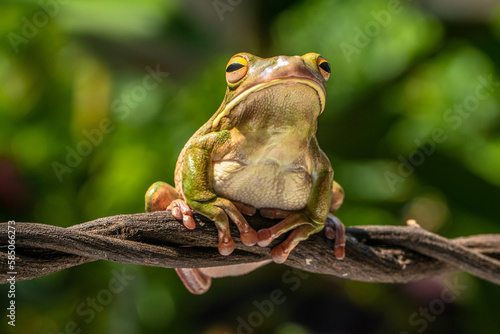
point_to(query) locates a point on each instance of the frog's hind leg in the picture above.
(334, 228)
(180, 210)
(198, 280)
(159, 196)
(303, 227)
(194, 280)
(162, 196)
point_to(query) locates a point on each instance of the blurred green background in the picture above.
(411, 126)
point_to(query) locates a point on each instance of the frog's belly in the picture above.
(263, 185)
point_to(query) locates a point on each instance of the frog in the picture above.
(258, 153)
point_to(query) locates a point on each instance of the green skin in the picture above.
(259, 152)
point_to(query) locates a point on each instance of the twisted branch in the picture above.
(393, 254)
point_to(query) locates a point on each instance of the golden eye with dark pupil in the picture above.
(325, 66)
(234, 67)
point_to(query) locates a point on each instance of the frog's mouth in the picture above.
(259, 87)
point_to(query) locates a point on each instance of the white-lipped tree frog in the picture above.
(258, 152)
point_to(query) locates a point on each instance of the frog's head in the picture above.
(276, 77)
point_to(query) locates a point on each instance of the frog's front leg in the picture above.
(325, 197)
(334, 228)
(197, 174)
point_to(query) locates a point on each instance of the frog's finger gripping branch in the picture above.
(393, 254)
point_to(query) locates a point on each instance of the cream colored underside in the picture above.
(265, 184)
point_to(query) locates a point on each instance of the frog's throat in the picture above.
(314, 85)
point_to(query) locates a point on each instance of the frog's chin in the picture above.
(292, 80)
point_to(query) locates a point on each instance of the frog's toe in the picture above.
(279, 254)
(335, 230)
(180, 210)
(188, 221)
(265, 237)
(249, 237)
(226, 247)
(176, 211)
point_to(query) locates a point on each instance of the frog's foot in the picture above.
(335, 230)
(194, 280)
(159, 196)
(245, 209)
(162, 196)
(302, 227)
(180, 210)
(198, 280)
(218, 210)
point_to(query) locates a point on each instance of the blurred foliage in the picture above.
(412, 127)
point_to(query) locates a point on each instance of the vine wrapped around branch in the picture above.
(392, 254)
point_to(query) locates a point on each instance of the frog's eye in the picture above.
(236, 69)
(324, 67)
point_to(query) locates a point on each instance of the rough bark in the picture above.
(392, 254)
